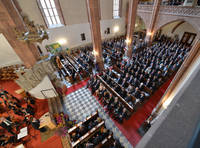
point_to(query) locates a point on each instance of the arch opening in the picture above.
(140, 28)
(179, 30)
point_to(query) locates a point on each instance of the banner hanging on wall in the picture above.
(54, 48)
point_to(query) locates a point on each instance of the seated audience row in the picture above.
(111, 103)
(91, 133)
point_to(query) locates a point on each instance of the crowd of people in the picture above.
(100, 133)
(99, 137)
(136, 79)
(84, 128)
(65, 69)
(86, 59)
(110, 102)
(150, 68)
(17, 117)
(113, 50)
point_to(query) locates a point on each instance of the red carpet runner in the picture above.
(41, 107)
(129, 127)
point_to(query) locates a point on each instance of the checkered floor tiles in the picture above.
(82, 103)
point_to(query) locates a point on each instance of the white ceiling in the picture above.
(7, 54)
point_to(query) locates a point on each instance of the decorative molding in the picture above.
(172, 10)
(180, 11)
(32, 77)
(180, 23)
(145, 8)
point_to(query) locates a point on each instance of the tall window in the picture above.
(51, 13)
(116, 8)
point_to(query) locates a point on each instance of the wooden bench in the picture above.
(94, 115)
(146, 89)
(130, 108)
(85, 73)
(106, 142)
(66, 57)
(133, 97)
(89, 134)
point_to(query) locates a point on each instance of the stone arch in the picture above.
(167, 20)
(145, 18)
(141, 26)
(142, 21)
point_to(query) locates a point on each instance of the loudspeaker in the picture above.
(83, 37)
(108, 30)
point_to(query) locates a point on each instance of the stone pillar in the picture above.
(150, 29)
(132, 13)
(9, 20)
(93, 15)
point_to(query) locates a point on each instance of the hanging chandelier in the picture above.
(34, 33)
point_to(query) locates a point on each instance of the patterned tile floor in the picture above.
(82, 103)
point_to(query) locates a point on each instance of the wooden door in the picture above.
(188, 38)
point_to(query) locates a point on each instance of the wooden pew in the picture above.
(85, 74)
(74, 60)
(146, 89)
(67, 58)
(106, 142)
(69, 76)
(133, 97)
(115, 68)
(130, 108)
(108, 50)
(88, 134)
(74, 67)
(94, 115)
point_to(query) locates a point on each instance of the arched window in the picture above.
(51, 13)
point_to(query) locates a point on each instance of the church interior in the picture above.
(99, 73)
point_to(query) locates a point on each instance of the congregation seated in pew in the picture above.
(91, 133)
(108, 100)
(136, 79)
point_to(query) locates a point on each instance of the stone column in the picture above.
(132, 13)
(93, 15)
(150, 29)
(9, 20)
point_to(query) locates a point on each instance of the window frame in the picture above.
(50, 13)
(119, 10)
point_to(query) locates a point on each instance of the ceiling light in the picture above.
(116, 29)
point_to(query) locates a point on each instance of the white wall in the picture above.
(7, 53)
(185, 27)
(44, 85)
(71, 33)
(76, 19)
(139, 24)
(30, 8)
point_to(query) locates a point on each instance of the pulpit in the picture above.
(45, 120)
